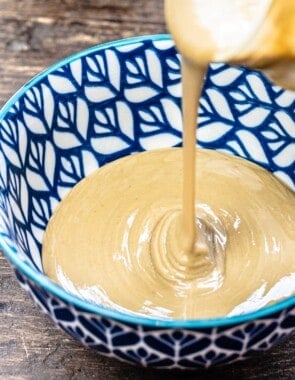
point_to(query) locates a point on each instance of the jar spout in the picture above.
(281, 73)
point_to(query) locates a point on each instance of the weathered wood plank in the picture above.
(34, 34)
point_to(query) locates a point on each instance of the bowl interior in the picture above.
(118, 99)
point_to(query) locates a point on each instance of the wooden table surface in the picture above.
(33, 35)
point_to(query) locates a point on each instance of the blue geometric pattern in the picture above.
(109, 102)
(164, 348)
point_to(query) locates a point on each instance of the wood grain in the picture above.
(34, 34)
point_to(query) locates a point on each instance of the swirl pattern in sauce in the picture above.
(114, 240)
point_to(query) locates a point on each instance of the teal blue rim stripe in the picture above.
(44, 282)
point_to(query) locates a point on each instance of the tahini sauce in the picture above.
(130, 242)
(113, 237)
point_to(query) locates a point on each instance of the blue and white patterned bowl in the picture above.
(107, 102)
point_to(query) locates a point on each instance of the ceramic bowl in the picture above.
(113, 100)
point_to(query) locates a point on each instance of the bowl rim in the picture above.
(85, 306)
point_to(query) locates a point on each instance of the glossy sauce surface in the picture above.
(116, 246)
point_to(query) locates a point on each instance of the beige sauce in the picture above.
(137, 238)
(192, 83)
(112, 239)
